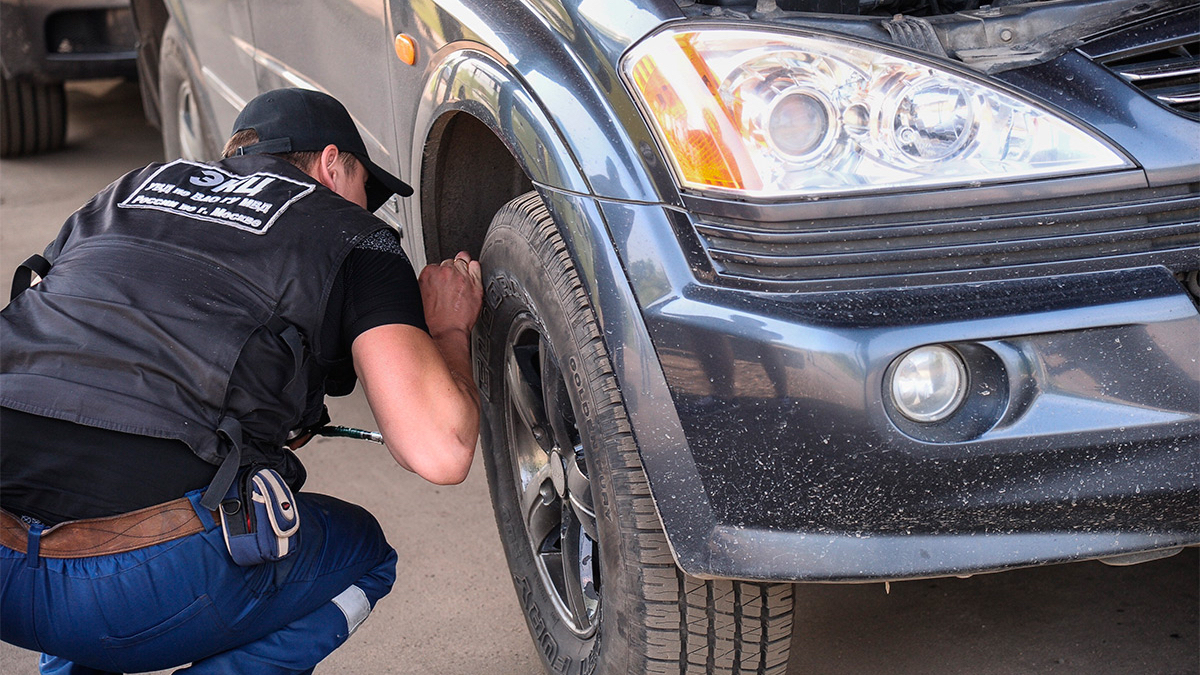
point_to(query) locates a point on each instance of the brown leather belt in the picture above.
(105, 536)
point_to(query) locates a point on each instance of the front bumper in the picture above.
(1088, 445)
(1080, 438)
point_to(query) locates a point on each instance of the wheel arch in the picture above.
(468, 173)
(485, 142)
(473, 101)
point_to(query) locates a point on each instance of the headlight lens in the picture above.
(767, 113)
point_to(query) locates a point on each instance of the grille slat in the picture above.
(1162, 70)
(1176, 86)
(1178, 96)
(1117, 224)
(845, 236)
(1002, 253)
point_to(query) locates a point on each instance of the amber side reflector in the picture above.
(406, 49)
(702, 156)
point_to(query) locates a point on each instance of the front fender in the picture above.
(469, 80)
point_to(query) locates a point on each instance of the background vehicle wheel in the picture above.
(184, 131)
(33, 117)
(593, 572)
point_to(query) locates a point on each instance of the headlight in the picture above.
(768, 113)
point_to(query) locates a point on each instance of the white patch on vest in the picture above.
(209, 193)
(354, 604)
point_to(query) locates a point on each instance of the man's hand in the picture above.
(452, 294)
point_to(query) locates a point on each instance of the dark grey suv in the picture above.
(806, 290)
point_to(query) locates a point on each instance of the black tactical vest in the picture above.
(185, 302)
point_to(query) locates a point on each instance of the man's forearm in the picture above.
(455, 348)
(420, 391)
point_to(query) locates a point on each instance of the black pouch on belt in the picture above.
(259, 518)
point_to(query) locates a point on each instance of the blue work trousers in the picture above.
(185, 601)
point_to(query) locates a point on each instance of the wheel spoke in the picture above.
(552, 483)
(532, 496)
(549, 551)
(524, 388)
(576, 570)
(542, 517)
(189, 123)
(579, 489)
(557, 401)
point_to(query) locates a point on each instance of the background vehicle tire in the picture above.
(593, 572)
(33, 117)
(184, 130)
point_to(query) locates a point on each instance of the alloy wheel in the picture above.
(551, 477)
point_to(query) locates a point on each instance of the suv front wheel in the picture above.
(594, 575)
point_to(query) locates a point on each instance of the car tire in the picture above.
(33, 117)
(594, 575)
(184, 130)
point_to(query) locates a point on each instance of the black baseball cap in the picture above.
(303, 120)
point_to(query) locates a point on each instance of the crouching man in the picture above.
(189, 322)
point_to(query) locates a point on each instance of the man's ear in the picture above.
(327, 166)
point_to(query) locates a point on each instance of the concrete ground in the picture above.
(454, 611)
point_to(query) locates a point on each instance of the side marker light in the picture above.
(406, 48)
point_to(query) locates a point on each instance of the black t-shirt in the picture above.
(41, 457)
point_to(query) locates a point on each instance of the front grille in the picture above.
(1171, 75)
(1160, 57)
(956, 241)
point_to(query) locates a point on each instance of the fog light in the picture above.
(929, 383)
